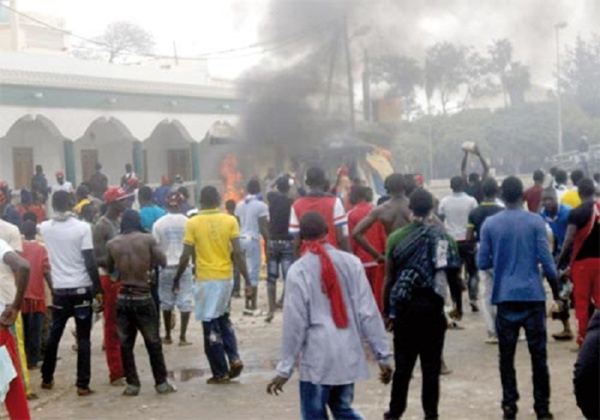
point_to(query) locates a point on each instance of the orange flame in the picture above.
(232, 178)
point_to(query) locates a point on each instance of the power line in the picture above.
(222, 54)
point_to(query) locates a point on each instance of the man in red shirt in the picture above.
(329, 206)
(360, 198)
(533, 195)
(34, 305)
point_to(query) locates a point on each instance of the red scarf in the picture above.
(330, 283)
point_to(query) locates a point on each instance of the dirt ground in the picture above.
(472, 391)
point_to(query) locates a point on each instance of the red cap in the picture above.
(114, 194)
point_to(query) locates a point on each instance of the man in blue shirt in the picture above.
(149, 211)
(513, 242)
(557, 217)
(253, 215)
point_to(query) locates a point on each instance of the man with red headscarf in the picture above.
(328, 310)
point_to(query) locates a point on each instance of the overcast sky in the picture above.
(200, 26)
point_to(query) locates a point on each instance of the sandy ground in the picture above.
(472, 391)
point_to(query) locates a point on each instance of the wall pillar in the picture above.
(70, 162)
(138, 165)
(195, 151)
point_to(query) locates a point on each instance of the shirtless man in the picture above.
(132, 255)
(393, 214)
(105, 229)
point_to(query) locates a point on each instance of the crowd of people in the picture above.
(351, 271)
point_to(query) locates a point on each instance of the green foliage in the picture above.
(515, 140)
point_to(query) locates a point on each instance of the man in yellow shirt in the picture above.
(82, 194)
(211, 239)
(571, 197)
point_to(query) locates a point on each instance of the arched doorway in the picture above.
(31, 140)
(107, 141)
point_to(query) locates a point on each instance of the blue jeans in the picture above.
(253, 253)
(219, 341)
(314, 400)
(279, 253)
(32, 328)
(510, 317)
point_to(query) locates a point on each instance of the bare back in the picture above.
(393, 214)
(133, 255)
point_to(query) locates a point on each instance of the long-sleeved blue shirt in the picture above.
(330, 355)
(513, 242)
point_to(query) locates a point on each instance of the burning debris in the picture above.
(232, 178)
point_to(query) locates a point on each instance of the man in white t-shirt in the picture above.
(61, 183)
(75, 282)
(169, 231)
(9, 233)
(454, 211)
(16, 398)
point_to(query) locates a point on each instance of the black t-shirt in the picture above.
(478, 215)
(279, 215)
(580, 217)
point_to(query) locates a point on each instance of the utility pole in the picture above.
(557, 29)
(346, 40)
(15, 33)
(367, 87)
(175, 56)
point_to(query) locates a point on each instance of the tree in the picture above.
(445, 71)
(402, 75)
(582, 75)
(120, 38)
(517, 81)
(500, 58)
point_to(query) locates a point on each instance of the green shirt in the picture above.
(399, 235)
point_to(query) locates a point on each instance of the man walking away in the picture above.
(583, 233)
(329, 206)
(131, 256)
(328, 310)
(75, 282)
(557, 217)
(454, 211)
(418, 256)
(280, 246)
(253, 215)
(211, 237)
(15, 398)
(560, 183)
(533, 195)
(375, 237)
(488, 208)
(513, 243)
(106, 229)
(34, 305)
(169, 231)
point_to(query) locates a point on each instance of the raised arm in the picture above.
(484, 165)
(463, 165)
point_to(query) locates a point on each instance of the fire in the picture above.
(232, 178)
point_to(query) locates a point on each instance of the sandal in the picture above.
(235, 369)
(84, 392)
(223, 380)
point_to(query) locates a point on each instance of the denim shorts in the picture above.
(184, 300)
